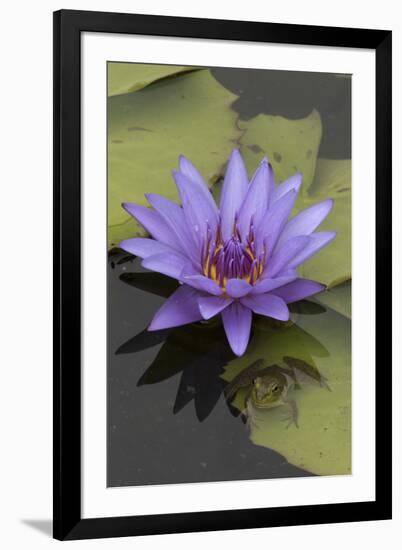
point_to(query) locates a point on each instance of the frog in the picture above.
(268, 387)
(272, 386)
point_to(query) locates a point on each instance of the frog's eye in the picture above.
(275, 389)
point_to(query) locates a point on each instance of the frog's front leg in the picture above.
(293, 416)
(249, 414)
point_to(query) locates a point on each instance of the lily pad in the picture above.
(149, 129)
(291, 145)
(322, 442)
(332, 265)
(271, 341)
(332, 176)
(338, 298)
(124, 78)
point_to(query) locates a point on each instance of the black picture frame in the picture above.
(68, 27)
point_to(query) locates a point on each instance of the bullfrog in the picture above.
(270, 386)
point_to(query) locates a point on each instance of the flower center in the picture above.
(232, 259)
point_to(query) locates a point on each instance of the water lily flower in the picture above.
(235, 260)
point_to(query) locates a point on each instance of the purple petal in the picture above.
(174, 218)
(212, 305)
(306, 221)
(188, 170)
(180, 309)
(283, 256)
(256, 202)
(237, 323)
(197, 208)
(265, 285)
(234, 190)
(317, 241)
(298, 290)
(144, 247)
(201, 282)
(169, 263)
(152, 222)
(291, 184)
(268, 305)
(236, 288)
(273, 222)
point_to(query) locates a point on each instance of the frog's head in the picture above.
(267, 390)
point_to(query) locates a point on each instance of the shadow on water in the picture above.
(199, 352)
(166, 394)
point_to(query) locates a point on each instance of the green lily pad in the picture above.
(332, 176)
(124, 78)
(149, 129)
(291, 145)
(273, 340)
(338, 298)
(322, 442)
(332, 265)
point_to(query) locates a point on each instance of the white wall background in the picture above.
(25, 275)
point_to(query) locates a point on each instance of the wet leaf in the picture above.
(272, 341)
(149, 129)
(290, 145)
(338, 298)
(332, 265)
(124, 78)
(322, 443)
(332, 176)
(306, 307)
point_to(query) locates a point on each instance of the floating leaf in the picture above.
(272, 341)
(332, 176)
(338, 298)
(306, 307)
(149, 129)
(332, 265)
(124, 78)
(290, 145)
(322, 443)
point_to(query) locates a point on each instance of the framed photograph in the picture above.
(222, 274)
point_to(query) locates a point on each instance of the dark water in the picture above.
(168, 421)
